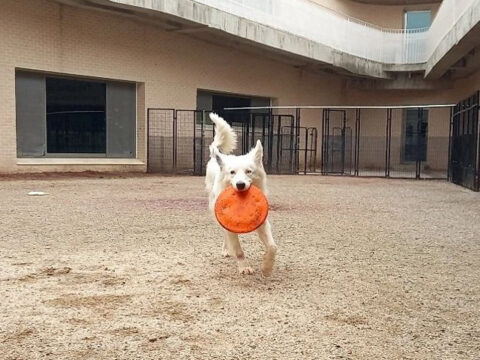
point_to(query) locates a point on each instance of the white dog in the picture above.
(240, 172)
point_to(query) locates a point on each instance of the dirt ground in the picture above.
(131, 268)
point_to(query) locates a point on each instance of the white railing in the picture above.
(347, 34)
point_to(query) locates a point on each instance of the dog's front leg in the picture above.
(233, 243)
(226, 250)
(265, 234)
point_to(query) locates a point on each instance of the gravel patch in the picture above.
(131, 268)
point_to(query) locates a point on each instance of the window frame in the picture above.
(128, 120)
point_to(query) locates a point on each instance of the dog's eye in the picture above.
(232, 172)
(248, 171)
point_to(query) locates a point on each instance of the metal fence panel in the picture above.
(184, 139)
(372, 150)
(204, 133)
(337, 149)
(465, 142)
(386, 142)
(160, 140)
(178, 140)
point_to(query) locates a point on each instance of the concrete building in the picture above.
(77, 76)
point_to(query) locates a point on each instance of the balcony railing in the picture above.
(347, 34)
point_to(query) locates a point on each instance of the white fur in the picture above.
(224, 170)
(225, 138)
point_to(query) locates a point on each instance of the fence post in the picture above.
(148, 140)
(419, 147)
(194, 143)
(250, 141)
(388, 134)
(270, 140)
(322, 155)
(297, 136)
(263, 129)
(326, 140)
(291, 145)
(450, 132)
(315, 142)
(279, 143)
(174, 142)
(306, 152)
(202, 139)
(344, 125)
(357, 140)
(252, 120)
(476, 119)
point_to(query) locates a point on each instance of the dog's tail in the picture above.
(225, 138)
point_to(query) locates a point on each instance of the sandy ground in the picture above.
(131, 268)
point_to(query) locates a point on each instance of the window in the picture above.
(418, 19)
(76, 121)
(64, 116)
(415, 135)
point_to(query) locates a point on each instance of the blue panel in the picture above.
(418, 19)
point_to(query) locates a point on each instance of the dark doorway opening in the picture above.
(220, 102)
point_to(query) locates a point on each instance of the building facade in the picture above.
(77, 78)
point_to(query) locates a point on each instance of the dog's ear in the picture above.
(215, 154)
(257, 153)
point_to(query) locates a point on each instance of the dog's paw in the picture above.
(225, 253)
(247, 270)
(267, 265)
(267, 270)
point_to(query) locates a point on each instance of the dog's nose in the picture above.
(240, 185)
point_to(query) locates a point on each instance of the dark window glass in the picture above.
(75, 116)
(220, 102)
(416, 130)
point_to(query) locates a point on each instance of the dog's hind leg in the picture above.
(233, 243)
(265, 234)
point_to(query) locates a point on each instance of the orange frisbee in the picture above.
(241, 211)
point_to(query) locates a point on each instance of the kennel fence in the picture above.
(396, 142)
(379, 141)
(178, 140)
(417, 142)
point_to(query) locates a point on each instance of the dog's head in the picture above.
(241, 171)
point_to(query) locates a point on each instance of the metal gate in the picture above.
(307, 149)
(174, 140)
(178, 140)
(337, 149)
(277, 133)
(464, 144)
